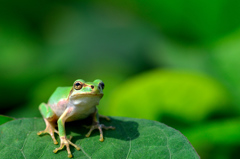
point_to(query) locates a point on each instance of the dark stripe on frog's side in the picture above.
(70, 93)
(84, 85)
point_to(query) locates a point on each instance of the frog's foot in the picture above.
(99, 127)
(66, 142)
(105, 117)
(50, 130)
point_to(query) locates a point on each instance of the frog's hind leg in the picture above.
(97, 125)
(49, 117)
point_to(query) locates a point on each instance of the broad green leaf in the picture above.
(4, 119)
(133, 138)
(185, 95)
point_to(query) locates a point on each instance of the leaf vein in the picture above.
(130, 143)
(85, 153)
(44, 150)
(24, 144)
(130, 147)
(167, 144)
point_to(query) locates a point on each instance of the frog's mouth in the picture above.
(74, 96)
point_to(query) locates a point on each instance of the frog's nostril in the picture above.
(92, 86)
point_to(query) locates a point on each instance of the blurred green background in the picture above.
(176, 62)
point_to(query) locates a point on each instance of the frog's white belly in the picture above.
(81, 107)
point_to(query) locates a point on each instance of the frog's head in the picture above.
(81, 88)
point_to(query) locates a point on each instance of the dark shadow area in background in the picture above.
(223, 114)
(181, 124)
(234, 151)
(174, 122)
(224, 151)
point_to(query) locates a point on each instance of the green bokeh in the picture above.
(172, 61)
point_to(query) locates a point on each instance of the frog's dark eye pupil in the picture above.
(101, 84)
(77, 86)
(92, 86)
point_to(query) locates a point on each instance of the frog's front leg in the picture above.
(97, 125)
(49, 117)
(61, 128)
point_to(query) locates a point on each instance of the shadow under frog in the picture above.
(125, 130)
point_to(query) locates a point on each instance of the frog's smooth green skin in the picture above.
(73, 103)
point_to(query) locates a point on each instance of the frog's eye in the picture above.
(101, 85)
(77, 85)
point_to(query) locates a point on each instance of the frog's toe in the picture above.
(66, 142)
(108, 127)
(59, 148)
(56, 131)
(105, 117)
(93, 127)
(101, 133)
(101, 138)
(54, 140)
(49, 131)
(41, 132)
(99, 127)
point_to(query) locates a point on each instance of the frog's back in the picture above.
(59, 94)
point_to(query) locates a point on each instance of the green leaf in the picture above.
(185, 95)
(4, 119)
(133, 138)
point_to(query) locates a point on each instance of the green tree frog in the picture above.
(73, 103)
